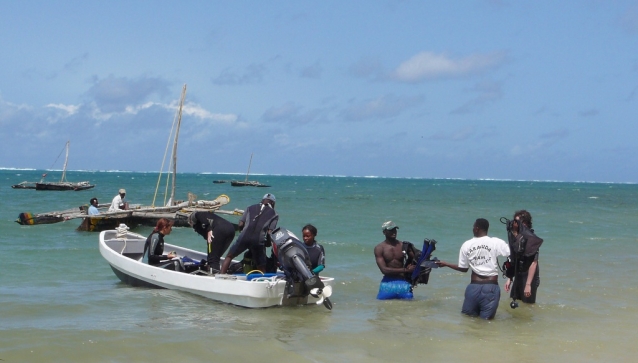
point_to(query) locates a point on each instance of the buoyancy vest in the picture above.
(524, 248)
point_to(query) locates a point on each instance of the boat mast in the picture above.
(65, 161)
(179, 123)
(250, 162)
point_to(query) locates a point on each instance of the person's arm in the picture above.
(462, 261)
(378, 254)
(452, 266)
(530, 277)
(243, 219)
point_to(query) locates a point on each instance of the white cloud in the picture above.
(69, 109)
(428, 65)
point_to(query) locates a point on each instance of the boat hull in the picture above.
(124, 257)
(62, 186)
(28, 219)
(248, 184)
(98, 223)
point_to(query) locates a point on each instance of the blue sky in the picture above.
(543, 90)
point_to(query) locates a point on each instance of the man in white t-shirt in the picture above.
(118, 201)
(481, 255)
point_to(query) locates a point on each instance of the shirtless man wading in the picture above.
(390, 259)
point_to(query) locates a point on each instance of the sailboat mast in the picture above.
(66, 159)
(179, 123)
(249, 163)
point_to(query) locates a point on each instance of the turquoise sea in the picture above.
(60, 301)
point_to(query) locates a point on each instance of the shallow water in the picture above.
(60, 301)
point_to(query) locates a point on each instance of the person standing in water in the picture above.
(527, 272)
(315, 250)
(391, 260)
(481, 255)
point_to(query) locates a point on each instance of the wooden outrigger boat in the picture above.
(63, 184)
(148, 216)
(136, 215)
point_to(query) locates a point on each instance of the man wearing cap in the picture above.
(118, 202)
(217, 232)
(257, 221)
(392, 262)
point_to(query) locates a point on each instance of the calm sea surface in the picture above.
(60, 301)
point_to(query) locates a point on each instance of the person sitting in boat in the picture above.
(315, 250)
(118, 201)
(93, 207)
(217, 232)
(154, 246)
(257, 221)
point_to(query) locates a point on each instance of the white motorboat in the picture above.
(124, 250)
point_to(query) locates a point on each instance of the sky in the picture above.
(472, 89)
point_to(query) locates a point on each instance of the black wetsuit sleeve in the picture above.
(156, 250)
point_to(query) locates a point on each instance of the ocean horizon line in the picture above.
(330, 176)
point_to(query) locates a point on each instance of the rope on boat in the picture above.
(121, 232)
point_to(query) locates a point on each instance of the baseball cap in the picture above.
(269, 197)
(122, 191)
(389, 225)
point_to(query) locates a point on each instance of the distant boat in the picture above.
(220, 181)
(63, 184)
(246, 182)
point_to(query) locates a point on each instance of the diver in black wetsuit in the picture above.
(257, 221)
(315, 250)
(154, 246)
(524, 246)
(217, 232)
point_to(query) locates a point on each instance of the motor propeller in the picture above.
(323, 295)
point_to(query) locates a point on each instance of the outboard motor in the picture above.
(295, 262)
